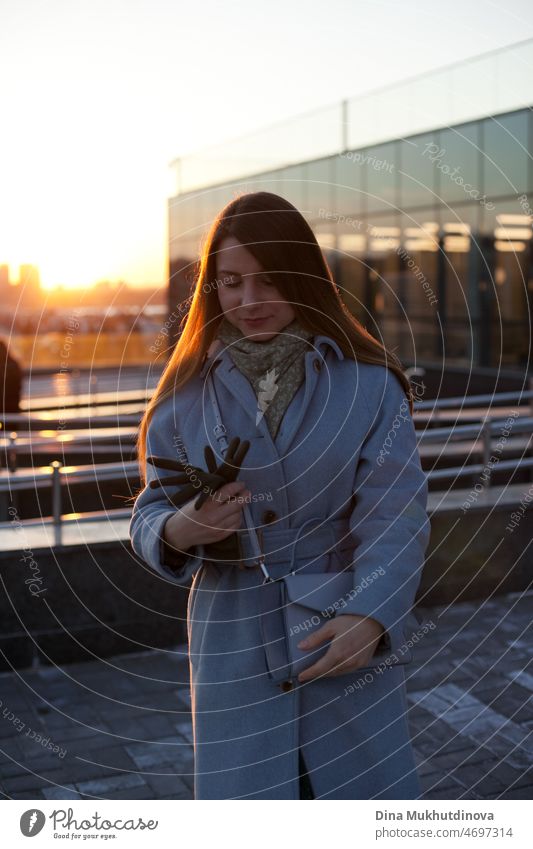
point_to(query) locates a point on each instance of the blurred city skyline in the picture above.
(102, 97)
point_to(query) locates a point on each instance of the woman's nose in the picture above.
(250, 293)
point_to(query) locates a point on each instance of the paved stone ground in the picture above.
(121, 726)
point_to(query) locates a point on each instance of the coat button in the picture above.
(286, 686)
(316, 365)
(269, 516)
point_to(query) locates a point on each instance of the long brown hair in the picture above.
(282, 242)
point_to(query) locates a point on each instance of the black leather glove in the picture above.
(228, 549)
(209, 482)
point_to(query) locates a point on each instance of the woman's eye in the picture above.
(231, 282)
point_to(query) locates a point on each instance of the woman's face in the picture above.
(246, 292)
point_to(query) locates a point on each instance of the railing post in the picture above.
(93, 388)
(12, 452)
(344, 126)
(56, 502)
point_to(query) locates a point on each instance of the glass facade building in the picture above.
(428, 236)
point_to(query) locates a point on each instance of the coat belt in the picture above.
(285, 546)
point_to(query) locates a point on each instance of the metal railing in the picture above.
(14, 443)
(55, 476)
(486, 432)
(487, 401)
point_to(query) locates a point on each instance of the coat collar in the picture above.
(217, 352)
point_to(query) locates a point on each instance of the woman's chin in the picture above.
(260, 335)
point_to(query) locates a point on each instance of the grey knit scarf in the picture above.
(275, 368)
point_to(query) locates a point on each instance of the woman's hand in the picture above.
(354, 640)
(218, 517)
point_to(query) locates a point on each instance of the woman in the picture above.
(333, 480)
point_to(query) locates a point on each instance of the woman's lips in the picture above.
(253, 322)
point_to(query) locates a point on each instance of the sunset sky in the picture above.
(98, 96)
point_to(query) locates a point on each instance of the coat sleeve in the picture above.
(389, 522)
(152, 509)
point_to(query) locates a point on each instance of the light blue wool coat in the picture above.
(344, 475)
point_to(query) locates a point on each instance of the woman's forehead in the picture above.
(233, 256)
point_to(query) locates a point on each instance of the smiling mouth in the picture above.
(255, 320)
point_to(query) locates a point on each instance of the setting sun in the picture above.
(69, 228)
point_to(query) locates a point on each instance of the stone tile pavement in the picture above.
(120, 728)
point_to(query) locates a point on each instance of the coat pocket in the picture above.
(313, 599)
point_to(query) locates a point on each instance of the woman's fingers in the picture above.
(222, 524)
(210, 459)
(229, 500)
(221, 514)
(241, 453)
(166, 463)
(230, 491)
(231, 507)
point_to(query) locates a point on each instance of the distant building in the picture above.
(29, 278)
(421, 195)
(4, 281)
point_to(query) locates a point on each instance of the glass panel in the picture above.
(176, 226)
(326, 235)
(495, 83)
(418, 289)
(353, 271)
(270, 181)
(381, 167)
(505, 160)
(185, 222)
(417, 176)
(457, 284)
(383, 241)
(182, 271)
(512, 77)
(350, 185)
(295, 185)
(456, 163)
(507, 287)
(214, 200)
(320, 176)
(471, 90)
